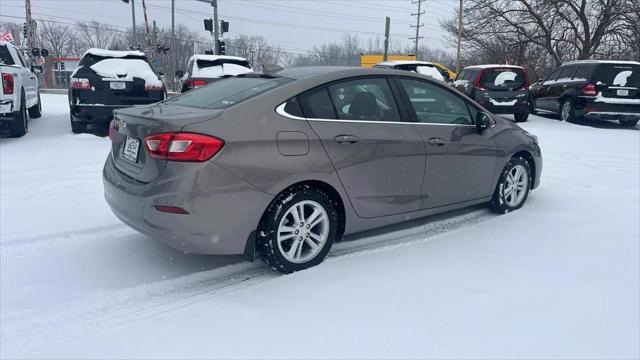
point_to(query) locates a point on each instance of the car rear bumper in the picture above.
(498, 107)
(93, 113)
(6, 109)
(223, 209)
(591, 109)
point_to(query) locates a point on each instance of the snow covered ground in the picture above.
(558, 279)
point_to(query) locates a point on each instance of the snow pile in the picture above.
(430, 71)
(503, 77)
(112, 53)
(608, 100)
(126, 70)
(219, 71)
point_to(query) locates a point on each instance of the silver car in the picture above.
(284, 164)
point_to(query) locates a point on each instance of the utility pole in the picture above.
(387, 25)
(216, 24)
(133, 19)
(173, 44)
(29, 24)
(459, 37)
(418, 25)
(146, 22)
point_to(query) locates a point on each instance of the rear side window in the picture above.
(566, 73)
(435, 105)
(468, 75)
(368, 99)
(503, 78)
(583, 72)
(292, 107)
(227, 92)
(621, 75)
(317, 105)
(5, 56)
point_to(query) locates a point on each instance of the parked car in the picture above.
(20, 97)
(502, 89)
(205, 69)
(106, 80)
(286, 163)
(593, 89)
(420, 67)
(448, 74)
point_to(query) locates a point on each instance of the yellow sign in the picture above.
(368, 61)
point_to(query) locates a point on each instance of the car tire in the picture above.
(568, 111)
(298, 229)
(36, 110)
(513, 186)
(76, 127)
(628, 123)
(521, 117)
(20, 124)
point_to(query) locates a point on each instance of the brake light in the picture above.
(152, 87)
(7, 83)
(477, 82)
(112, 125)
(183, 146)
(194, 83)
(589, 90)
(80, 84)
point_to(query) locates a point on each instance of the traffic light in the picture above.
(62, 66)
(208, 25)
(24, 31)
(221, 48)
(224, 26)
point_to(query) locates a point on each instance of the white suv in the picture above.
(20, 96)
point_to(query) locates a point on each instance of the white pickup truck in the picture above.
(20, 95)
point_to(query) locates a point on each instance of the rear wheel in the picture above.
(36, 110)
(532, 106)
(77, 127)
(522, 117)
(20, 124)
(513, 187)
(568, 111)
(298, 229)
(629, 123)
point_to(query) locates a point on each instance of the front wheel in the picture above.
(298, 229)
(77, 127)
(513, 187)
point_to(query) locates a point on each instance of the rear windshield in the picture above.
(617, 75)
(227, 92)
(5, 56)
(503, 78)
(220, 68)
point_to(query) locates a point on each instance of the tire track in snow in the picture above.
(30, 331)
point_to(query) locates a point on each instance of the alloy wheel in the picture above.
(516, 185)
(566, 110)
(303, 231)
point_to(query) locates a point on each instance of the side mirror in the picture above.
(36, 69)
(179, 73)
(483, 121)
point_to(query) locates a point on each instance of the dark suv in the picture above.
(592, 89)
(501, 89)
(106, 80)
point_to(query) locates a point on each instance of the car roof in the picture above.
(404, 62)
(113, 53)
(620, 62)
(490, 66)
(329, 73)
(215, 57)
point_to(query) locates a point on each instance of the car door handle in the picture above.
(436, 141)
(349, 139)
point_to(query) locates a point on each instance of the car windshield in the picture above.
(227, 92)
(5, 56)
(618, 75)
(503, 78)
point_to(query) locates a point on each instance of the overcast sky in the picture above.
(294, 25)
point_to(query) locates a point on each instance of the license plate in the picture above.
(131, 147)
(117, 85)
(623, 92)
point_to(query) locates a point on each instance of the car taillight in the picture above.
(7, 83)
(112, 125)
(476, 83)
(191, 83)
(152, 87)
(80, 83)
(589, 90)
(178, 146)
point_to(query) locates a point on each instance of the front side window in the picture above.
(434, 105)
(368, 99)
(5, 56)
(566, 73)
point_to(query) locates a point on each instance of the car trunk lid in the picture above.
(617, 81)
(132, 125)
